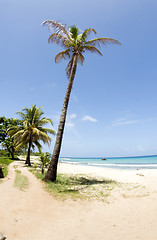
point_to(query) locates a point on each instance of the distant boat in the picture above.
(103, 159)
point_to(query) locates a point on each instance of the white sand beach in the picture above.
(34, 214)
(144, 177)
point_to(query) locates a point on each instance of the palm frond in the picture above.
(12, 130)
(59, 39)
(36, 132)
(39, 146)
(22, 114)
(44, 120)
(23, 136)
(20, 135)
(64, 54)
(98, 41)
(43, 137)
(81, 58)
(87, 32)
(26, 111)
(92, 49)
(19, 145)
(36, 115)
(58, 26)
(47, 130)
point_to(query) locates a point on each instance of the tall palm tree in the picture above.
(75, 43)
(30, 129)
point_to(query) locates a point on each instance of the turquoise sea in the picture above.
(143, 162)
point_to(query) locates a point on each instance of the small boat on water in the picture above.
(103, 159)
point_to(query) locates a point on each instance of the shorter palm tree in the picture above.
(30, 130)
(44, 160)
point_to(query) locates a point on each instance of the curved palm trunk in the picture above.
(28, 154)
(52, 170)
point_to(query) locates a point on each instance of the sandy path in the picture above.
(34, 214)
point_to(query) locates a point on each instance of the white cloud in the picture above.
(89, 118)
(123, 121)
(72, 116)
(70, 124)
(71, 127)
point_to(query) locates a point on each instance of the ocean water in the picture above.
(143, 162)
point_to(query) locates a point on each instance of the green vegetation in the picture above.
(7, 142)
(30, 130)
(78, 186)
(75, 44)
(21, 181)
(44, 160)
(4, 162)
(35, 153)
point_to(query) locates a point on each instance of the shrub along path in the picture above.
(31, 213)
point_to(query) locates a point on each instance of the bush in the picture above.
(5, 161)
(4, 153)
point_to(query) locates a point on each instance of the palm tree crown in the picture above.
(74, 42)
(30, 129)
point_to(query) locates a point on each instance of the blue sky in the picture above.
(113, 105)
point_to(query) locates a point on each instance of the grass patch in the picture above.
(21, 181)
(15, 166)
(78, 186)
(4, 162)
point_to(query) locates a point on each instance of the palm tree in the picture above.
(75, 44)
(44, 160)
(30, 129)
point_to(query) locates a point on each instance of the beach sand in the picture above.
(144, 177)
(34, 214)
